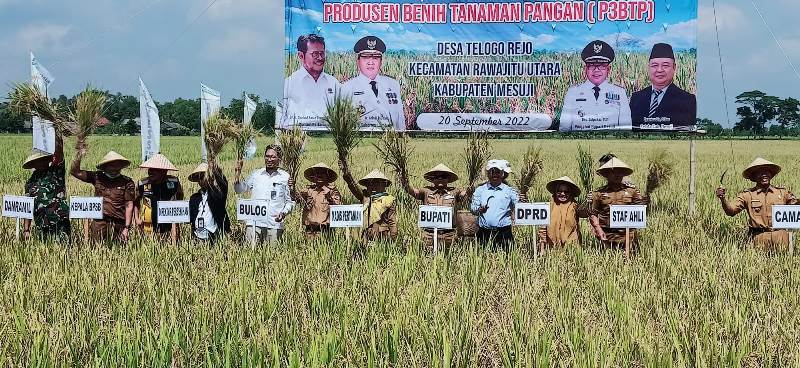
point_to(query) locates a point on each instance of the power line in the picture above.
(788, 60)
(721, 69)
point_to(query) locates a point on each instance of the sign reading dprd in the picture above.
(532, 214)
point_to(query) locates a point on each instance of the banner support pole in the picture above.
(17, 229)
(627, 242)
(435, 240)
(791, 242)
(692, 176)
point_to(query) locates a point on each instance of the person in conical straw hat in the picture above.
(317, 198)
(758, 202)
(439, 193)
(493, 202)
(565, 215)
(380, 211)
(207, 214)
(615, 192)
(157, 186)
(47, 186)
(118, 192)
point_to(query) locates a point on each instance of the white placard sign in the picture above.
(18, 206)
(252, 210)
(785, 216)
(172, 212)
(628, 216)
(86, 208)
(435, 217)
(347, 215)
(532, 214)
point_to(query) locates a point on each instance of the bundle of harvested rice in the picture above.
(26, 99)
(343, 120)
(532, 164)
(293, 143)
(394, 149)
(586, 171)
(660, 169)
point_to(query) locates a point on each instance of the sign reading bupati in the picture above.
(252, 210)
(172, 212)
(86, 208)
(628, 216)
(454, 65)
(18, 207)
(532, 214)
(435, 217)
(785, 216)
(347, 215)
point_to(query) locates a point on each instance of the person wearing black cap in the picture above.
(376, 95)
(663, 105)
(596, 103)
(309, 89)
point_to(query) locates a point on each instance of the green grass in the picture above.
(693, 297)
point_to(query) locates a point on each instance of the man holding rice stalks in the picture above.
(157, 186)
(271, 184)
(47, 186)
(118, 192)
(207, 213)
(440, 193)
(615, 192)
(565, 215)
(758, 202)
(493, 202)
(380, 210)
(317, 198)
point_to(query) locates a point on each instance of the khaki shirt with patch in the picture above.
(614, 194)
(758, 204)
(563, 228)
(317, 204)
(115, 192)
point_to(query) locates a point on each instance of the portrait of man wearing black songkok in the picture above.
(663, 105)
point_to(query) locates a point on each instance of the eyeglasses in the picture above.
(372, 57)
(596, 66)
(317, 54)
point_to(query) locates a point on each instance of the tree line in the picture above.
(178, 117)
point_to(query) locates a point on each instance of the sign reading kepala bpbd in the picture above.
(86, 208)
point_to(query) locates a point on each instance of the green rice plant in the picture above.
(293, 143)
(344, 121)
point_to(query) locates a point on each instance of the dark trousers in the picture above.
(498, 238)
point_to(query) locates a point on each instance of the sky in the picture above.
(237, 45)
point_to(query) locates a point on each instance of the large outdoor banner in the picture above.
(463, 65)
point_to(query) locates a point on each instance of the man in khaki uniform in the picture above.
(565, 215)
(615, 192)
(380, 211)
(118, 192)
(758, 202)
(317, 199)
(438, 194)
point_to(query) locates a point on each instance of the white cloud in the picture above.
(538, 40)
(311, 14)
(232, 9)
(729, 19)
(38, 37)
(680, 35)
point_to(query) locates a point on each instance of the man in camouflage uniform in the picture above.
(615, 192)
(758, 202)
(48, 188)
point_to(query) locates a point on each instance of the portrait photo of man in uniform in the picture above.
(376, 95)
(596, 104)
(308, 90)
(663, 105)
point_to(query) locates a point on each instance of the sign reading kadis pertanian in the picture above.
(786, 217)
(628, 216)
(347, 215)
(435, 217)
(18, 207)
(252, 210)
(172, 212)
(86, 208)
(532, 214)
(515, 66)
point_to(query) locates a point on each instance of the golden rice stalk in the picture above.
(90, 105)
(344, 121)
(394, 149)
(661, 167)
(532, 165)
(476, 153)
(26, 99)
(219, 131)
(586, 170)
(293, 142)
(244, 134)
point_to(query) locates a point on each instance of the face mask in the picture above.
(112, 176)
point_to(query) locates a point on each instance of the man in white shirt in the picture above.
(307, 92)
(377, 96)
(596, 104)
(270, 184)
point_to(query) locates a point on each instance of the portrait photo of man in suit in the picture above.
(663, 105)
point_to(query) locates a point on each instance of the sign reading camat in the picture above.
(18, 206)
(86, 208)
(252, 210)
(786, 216)
(347, 215)
(532, 214)
(173, 212)
(436, 217)
(628, 216)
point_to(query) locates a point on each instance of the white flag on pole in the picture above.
(150, 123)
(249, 111)
(210, 103)
(44, 135)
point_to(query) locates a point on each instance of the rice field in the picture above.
(694, 296)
